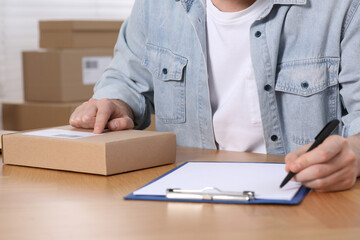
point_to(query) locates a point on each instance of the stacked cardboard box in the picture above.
(56, 80)
(62, 75)
(31, 115)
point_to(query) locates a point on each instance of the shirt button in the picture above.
(164, 71)
(305, 85)
(274, 138)
(257, 34)
(267, 87)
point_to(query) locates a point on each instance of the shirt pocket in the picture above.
(167, 69)
(307, 92)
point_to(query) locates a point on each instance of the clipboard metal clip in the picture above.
(204, 194)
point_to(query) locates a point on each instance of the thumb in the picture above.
(121, 124)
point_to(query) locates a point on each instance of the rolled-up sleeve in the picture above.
(126, 78)
(350, 70)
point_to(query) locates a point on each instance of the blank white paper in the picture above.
(262, 178)
(60, 133)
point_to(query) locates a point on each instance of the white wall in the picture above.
(19, 31)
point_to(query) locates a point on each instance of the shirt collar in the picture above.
(188, 3)
(289, 2)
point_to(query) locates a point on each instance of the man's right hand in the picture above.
(102, 113)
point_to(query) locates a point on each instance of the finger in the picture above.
(121, 124)
(346, 158)
(83, 116)
(102, 118)
(343, 179)
(290, 157)
(318, 171)
(321, 154)
(72, 120)
(88, 121)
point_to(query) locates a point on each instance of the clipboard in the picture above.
(216, 194)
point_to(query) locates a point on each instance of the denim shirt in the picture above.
(306, 58)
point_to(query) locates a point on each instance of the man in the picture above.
(259, 76)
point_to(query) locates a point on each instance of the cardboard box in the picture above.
(79, 34)
(152, 126)
(63, 75)
(105, 154)
(30, 115)
(3, 132)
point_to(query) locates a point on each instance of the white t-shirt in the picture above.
(233, 91)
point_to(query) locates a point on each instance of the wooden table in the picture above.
(47, 204)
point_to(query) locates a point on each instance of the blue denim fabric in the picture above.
(307, 51)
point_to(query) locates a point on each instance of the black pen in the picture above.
(323, 134)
